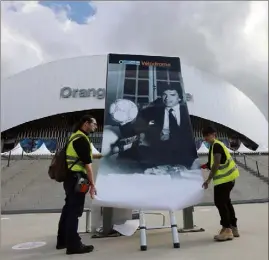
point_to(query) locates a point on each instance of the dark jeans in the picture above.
(223, 203)
(72, 210)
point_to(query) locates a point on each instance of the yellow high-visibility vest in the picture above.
(228, 171)
(71, 155)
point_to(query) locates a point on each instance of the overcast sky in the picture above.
(228, 39)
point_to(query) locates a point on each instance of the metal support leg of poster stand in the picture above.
(143, 235)
(188, 225)
(175, 235)
(107, 229)
(143, 228)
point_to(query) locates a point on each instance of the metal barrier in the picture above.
(254, 166)
(23, 156)
(163, 220)
(188, 221)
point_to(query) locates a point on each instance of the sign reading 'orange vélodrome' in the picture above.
(145, 63)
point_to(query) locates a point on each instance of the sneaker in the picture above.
(83, 249)
(235, 232)
(226, 235)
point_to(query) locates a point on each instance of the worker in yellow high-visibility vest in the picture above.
(79, 180)
(223, 172)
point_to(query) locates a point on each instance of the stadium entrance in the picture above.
(54, 131)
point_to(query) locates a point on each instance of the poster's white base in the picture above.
(149, 192)
(28, 245)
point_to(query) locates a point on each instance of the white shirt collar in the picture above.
(175, 108)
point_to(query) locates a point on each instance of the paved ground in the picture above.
(253, 243)
(25, 185)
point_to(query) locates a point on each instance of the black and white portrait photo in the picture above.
(147, 136)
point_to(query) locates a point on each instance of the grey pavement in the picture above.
(250, 160)
(253, 243)
(25, 185)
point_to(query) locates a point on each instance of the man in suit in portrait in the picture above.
(166, 126)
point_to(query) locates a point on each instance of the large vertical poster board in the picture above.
(150, 159)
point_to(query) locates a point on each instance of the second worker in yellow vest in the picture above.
(223, 172)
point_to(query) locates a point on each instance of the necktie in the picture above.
(173, 126)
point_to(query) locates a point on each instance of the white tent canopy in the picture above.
(17, 150)
(203, 149)
(243, 149)
(43, 150)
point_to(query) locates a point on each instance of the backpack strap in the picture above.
(76, 161)
(73, 138)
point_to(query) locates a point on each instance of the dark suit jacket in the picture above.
(181, 150)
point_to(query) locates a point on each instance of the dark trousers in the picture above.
(72, 210)
(223, 203)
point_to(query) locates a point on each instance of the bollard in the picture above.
(258, 171)
(245, 161)
(188, 218)
(107, 221)
(188, 225)
(8, 161)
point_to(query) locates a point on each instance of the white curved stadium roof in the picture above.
(35, 93)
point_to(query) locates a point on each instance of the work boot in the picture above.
(82, 249)
(222, 230)
(235, 232)
(227, 234)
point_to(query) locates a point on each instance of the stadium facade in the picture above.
(42, 103)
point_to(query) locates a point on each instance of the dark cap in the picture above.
(208, 130)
